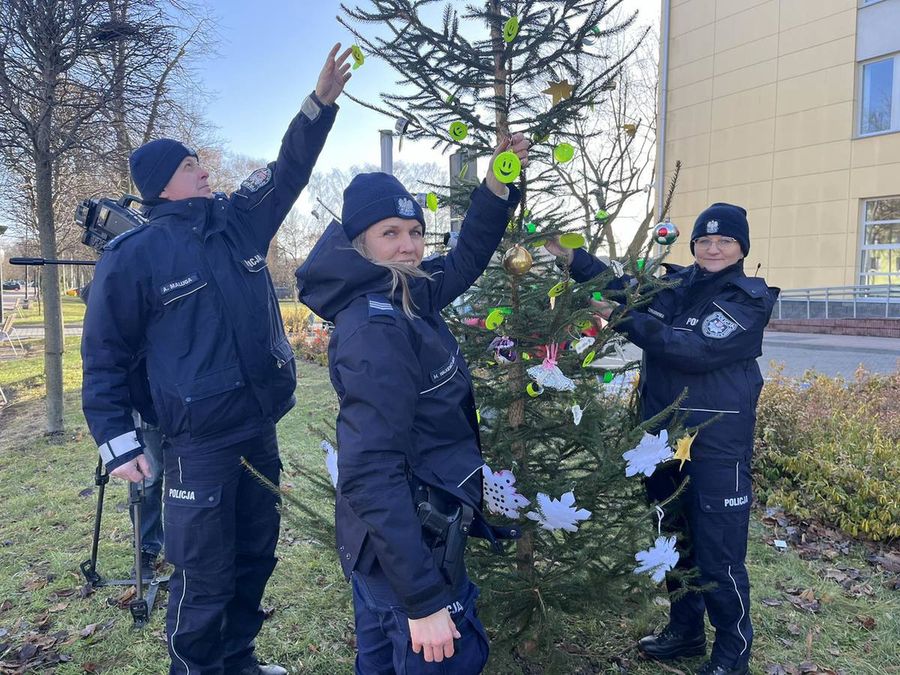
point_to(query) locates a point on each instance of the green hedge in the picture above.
(830, 450)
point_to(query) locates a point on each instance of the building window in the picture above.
(878, 108)
(880, 250)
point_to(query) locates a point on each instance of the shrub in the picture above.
(312, 345)
(296, 318)
(830, 449)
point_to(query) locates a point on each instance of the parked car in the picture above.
(11, 285)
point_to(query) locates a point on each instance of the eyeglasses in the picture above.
(705, 243)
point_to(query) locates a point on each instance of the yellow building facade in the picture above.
(791, 109)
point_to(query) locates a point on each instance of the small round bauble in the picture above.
(665, 233)
(517, 260)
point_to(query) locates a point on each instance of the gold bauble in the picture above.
(517, 260)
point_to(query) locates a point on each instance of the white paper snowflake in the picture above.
(644, 457)
(577, 412)
(582, 344)
(558, 514)
(658, 559)
(330, 461)
(500, 493)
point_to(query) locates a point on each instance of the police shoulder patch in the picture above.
(718, 325)
(258, 179)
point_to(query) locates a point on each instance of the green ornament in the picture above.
(507, 167)
(358, 57)
(601, 215)
(458, 130)
(563, 153)
(531, 228)
(640, 264)
(597, 295)
(608, 377)
(431, 201)
(511, 29)
(571, 240)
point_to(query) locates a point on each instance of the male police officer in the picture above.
(702, 337)
(191, 291)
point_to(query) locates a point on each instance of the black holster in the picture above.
(446, 523)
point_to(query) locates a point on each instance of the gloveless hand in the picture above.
(433, 635)
(516, 143)
(334, 75)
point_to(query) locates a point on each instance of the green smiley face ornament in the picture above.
(511, 29)
(358, 57)
(507, 167)
(431, 201)
(458, 131)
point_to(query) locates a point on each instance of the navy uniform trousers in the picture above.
(221, 527)
(713, 515)
(382, 631)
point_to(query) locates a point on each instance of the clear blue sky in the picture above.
(269, 57)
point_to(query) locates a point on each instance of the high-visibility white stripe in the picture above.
(178, 623)
(193, 290)
(730, 412)
(380, 305)
(442, 383)
(477, 469)
(119, 446)
(180, 474)
(687, 329)
(728, 315)
(743, 613)
(736, 468)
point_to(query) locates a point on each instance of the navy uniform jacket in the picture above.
(190, 289)
(702, 335)
(406, 400)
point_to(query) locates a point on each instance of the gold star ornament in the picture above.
(559, 90)
(683, 449)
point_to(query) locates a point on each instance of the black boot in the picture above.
(671, 643)
(148, 567)
(712, 668)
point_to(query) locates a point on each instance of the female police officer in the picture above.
(703, 336)
(409, 461)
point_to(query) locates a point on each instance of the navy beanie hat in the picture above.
(726, 220)
(372, 197)
(154, 163)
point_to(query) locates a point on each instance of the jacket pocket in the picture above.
(217, 401)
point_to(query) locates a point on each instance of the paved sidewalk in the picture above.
(829, 354)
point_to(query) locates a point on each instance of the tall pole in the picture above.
(2, 256)
(387, 151)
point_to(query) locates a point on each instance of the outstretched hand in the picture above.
(559, 250)
(516, 143)
(334, 75)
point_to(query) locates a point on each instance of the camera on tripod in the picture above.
(104, 219)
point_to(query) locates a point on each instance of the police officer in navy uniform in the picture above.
(191, 291)
(409, 457)
(702, 337)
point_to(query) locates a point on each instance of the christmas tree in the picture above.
(557, 408)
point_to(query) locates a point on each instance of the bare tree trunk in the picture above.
(53, 333)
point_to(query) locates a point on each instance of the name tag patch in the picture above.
(444, 370)
(179, 284)
(182, 495)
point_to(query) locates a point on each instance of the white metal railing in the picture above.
(846, 297)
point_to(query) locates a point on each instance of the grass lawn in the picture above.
(72, 313)
(48, 499)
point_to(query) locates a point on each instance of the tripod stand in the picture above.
(141, 606)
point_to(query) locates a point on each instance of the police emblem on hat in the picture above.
(712, 226)
(718, 326)
(405, 207)
(257, 179)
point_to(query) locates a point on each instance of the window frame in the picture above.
(895, 96)
(862, 273)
